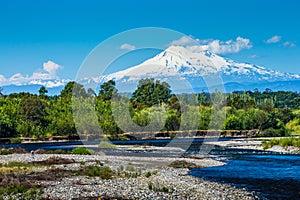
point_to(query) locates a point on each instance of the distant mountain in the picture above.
(33, 88)
(194, 64)
(293, 85)
(185, 67)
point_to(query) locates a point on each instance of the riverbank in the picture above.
(153, 179)
(255, 144)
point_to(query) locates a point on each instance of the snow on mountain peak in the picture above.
(196, 62)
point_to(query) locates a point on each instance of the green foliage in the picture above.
(16, 140)
(6, 151)
(12, 190)
(233, 123)
(157, 187)
(43, 92)
(18, 164)
(82, 151)
(32, 110)
(96, 171)
(173, 120)
(148, 174)
(130, 168)
(106, 145)
(41, 116)
(73, 89)
(108, 90)
(284, 142)
(294, 126)
(150, 92)
(271, 132)
(182, 164)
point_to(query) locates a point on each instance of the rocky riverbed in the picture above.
(133, 178)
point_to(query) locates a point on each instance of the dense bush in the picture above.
(284, 142)
(6, 151)
(99, 171)
(271, 132)
(40, 116)
(82, 151)
(106, 145)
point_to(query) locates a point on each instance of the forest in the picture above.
(42, 116)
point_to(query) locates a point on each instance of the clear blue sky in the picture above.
(33, 32)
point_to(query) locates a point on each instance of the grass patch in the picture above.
(56, 151)
(130, 168)
(55, 161)
(6, 151)
(159, 188)
(148, 174)
(82, 151)
(284, 142)
(183, 164)
(16, 140)
(96, 171)
(106, 145)
(18, 164)
(294, 126)
(26, 192)
(17, 167)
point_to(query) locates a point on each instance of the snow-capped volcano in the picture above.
(193, 63)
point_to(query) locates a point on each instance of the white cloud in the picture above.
(2, 78)
(253, 56)
(216, 46)
(289, 44)
(51, 67)
(127, 47)
(185, 41)
(274, 39)
(47, 77)
(230, 46)
(17, 79)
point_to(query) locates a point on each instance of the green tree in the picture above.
(9, 109)
(73, 89)
(150, 92)
(108, 90)
(173, 120)
(232, 122)
(60, 117)
(33, 110)
(43, 92)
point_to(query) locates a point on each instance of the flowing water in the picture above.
(272, 176)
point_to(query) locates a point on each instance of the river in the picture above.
(271, 176)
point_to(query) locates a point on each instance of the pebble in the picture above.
(177, 182)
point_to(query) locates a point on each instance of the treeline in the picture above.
(40, 115)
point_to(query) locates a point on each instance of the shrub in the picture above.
(284, 142)
(92, 171)
(106, 145)
(183, 164)
(130, 168)
(271, 132)
(98, 162)
(6, 151)
(82, 151)
(158, 188)
(58, 151)
(16, 140)
(148, 174)
(150, 186)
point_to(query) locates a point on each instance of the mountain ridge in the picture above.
(195, 64)
(189, 67)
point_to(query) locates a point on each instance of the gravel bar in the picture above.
(164, 182)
